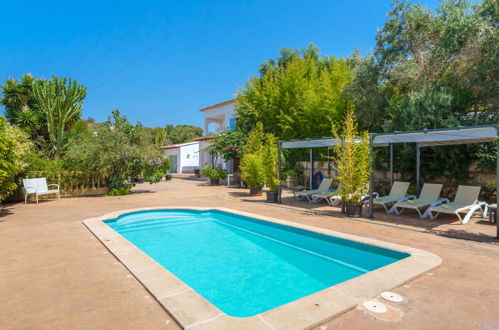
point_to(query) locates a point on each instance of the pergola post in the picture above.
(497, 181)
(279, 189)
(418, 163)
(311, 168)
(371, 178)
(391, 164)
(328, 164)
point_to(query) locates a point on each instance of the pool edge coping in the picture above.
(192, 311)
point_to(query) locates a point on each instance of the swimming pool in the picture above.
(245, 266)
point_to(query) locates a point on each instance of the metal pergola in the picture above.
(422, 138)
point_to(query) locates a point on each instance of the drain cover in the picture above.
(391, 296)
(375, 306)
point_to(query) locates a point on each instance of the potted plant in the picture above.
(253, 172)
(269, 154)
(215, 174)
(197, 172)
(252, 168)
(353, 160)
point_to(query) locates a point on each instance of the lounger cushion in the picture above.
(413, 204)
(451, 208)
(323, 187)
(385, 200)
(307, 192)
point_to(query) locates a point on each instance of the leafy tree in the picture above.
(430, 69)
(117, 151)
(297, 95)
(7, 162)
(182, 133)
(170, 134)
(23, 149)
(61, 100)
(229, 144)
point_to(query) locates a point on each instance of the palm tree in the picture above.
(20, 106)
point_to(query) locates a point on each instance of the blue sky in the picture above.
(161, 61)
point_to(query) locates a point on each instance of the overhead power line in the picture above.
(133, 29)
(106, 30)
(173, 33)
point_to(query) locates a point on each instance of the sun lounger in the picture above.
(323, 187)
(328, 196)
(38, 187)
(466, 201)
(428, 197)
(398, 193)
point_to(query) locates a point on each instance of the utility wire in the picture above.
(173, 33)
(135, 27)
(106, 30)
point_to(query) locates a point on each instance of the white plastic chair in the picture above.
(38, 187)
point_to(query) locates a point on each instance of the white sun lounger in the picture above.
(428, 197)
(398, 193)
(323, 187)
(38, 187)
(328, 196)
(334, 197)
(466, 201)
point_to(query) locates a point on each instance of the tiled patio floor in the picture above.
(56, 275)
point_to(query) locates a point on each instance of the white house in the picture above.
(219, 116)
(183, 157)
(216, 118)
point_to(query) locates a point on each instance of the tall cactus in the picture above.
(61, 99)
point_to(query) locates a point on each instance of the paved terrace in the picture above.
(56, 275)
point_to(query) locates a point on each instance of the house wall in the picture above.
(220, 115)
(174, 162)
(189, 157)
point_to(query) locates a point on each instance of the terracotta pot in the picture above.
(255, 191)
(353, 210)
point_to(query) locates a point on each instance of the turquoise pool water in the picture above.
(246, 266)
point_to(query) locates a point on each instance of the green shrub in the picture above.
(269, 154)
(214, 172)
(154, 177)
(252, 169)
(119, 191)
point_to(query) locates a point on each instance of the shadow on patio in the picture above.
(478, 229)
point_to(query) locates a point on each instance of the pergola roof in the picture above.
(309, 143)
(439, 137)
(429, 137)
